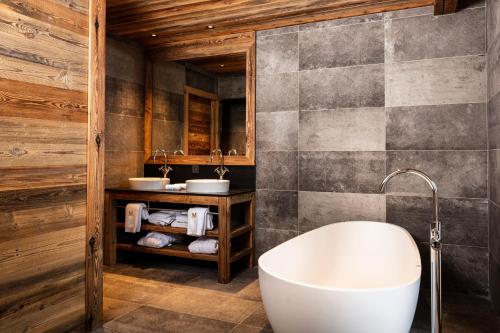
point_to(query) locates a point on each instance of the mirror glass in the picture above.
(200, 105)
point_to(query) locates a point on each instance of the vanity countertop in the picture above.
(231, 192)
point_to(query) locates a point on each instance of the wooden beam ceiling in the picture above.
(155, 23)
(442, 7)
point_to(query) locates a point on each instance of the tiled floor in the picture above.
(158, 295)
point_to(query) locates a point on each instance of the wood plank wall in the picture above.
(43, 162)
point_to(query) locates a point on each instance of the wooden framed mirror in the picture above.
(200, 96)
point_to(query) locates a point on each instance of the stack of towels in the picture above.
(134, 214)
(199, 220)
(167, 217)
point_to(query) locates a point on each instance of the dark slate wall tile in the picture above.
(464, 221)
(349, 21)
(459, 174)
(277, 92)
(276, 209)
(360, 129)
(277, 130)
(494, 175)
(434, 127)
(493, 59)
(346, 87)
(494, 121)
(317, 209)
(168, 105)
(124, 97)
(266, 239)
(354, 172)
(429, 36)
(350, 45)
(494, 231)
(277, 170)
(493, 20)
(278, 53)
(495, 284)
(200, 80)
(464, 268)
(458, 80)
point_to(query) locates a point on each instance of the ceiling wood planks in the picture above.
(442, 7)
(155, 23)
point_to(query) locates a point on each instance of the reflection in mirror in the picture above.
(200, 105)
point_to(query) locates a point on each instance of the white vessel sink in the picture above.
(148, 183)
(207, 185)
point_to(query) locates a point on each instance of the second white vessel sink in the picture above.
(207, 185)
(148, 183)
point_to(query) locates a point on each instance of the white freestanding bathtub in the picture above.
(359, 277)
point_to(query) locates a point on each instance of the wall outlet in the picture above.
(195, 169)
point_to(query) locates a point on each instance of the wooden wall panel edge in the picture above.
(95, 165)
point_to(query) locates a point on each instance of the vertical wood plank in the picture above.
(110, 231)
(250, 219)
(148, 110)
(250, 99)
(224, 247)
(95, 163)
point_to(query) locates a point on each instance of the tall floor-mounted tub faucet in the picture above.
(435, 245)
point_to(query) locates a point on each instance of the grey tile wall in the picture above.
(124, 112)
(493, 44)
(342, 103)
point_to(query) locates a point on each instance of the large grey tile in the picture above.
(276, 209)
(350, 45)
(278, 53)
(124, 60)
(494, 230)
(148, 319)
(345, 87)
(493, 20)
(169, 76)
(464, 221)
(277, 92)
(458, 80)
(278, 31)
(353, 172)
(340, 22)
(124, 97)
(277, 170)
(434, 127)
(119, 166)
(342, 130)
(124, 133)
(429, 36)
(266, 239)
(232, 86)
(277, 130)
(494, 175)
(458, 174)
(397, 14)
(494, 122)
(168, 105)
(494, 278)
(494, 68)
(317, 209)
(167, 135)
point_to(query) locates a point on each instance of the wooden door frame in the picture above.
(214, 116)
(95, 165)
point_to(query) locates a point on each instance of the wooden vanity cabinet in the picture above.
(229, 234)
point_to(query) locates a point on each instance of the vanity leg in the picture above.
(224, 263)
(109, 231)
(250, 220)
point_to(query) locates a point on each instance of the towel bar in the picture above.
(172, 210)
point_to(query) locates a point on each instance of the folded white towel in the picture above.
(158, 240)
(199, 220)
(179, 224)
(175, 187)
(134, 213)
(204, 245)
(163, 217)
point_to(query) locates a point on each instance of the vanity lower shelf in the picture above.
(235, 221)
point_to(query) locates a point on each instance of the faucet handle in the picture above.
(165, 169)
(221, 171)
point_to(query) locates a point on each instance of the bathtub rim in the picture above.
(337, 289)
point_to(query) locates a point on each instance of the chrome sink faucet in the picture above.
(165, 169)
(435, 245)
(221, 170)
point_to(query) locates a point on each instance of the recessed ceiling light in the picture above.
(210, 27)
(221, 65)
(153, 35)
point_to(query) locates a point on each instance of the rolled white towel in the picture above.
(163, 217)
(159, 240)
(204, 245)
(175, 187)
(179, 224)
